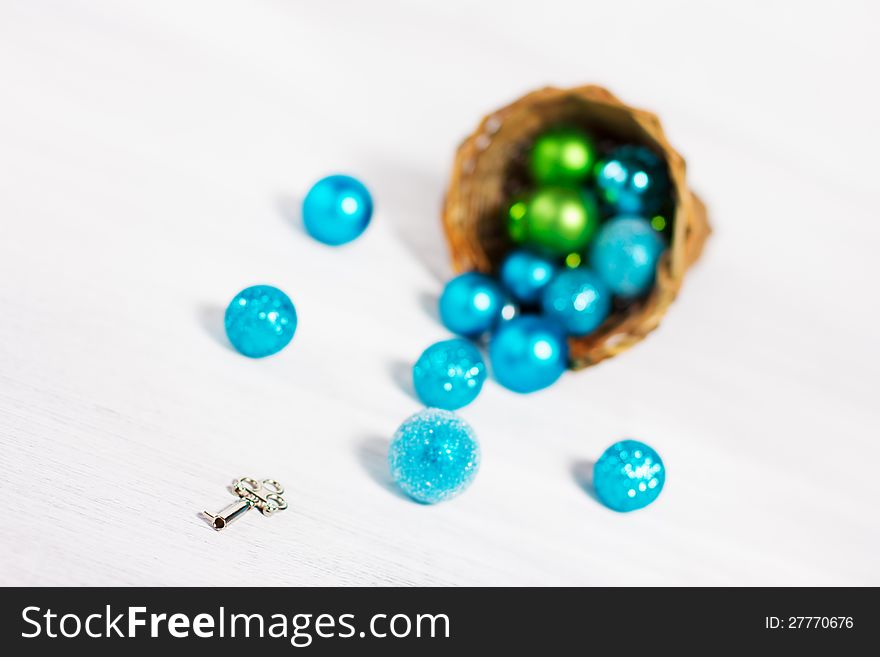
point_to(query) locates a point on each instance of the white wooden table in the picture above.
(152, 159)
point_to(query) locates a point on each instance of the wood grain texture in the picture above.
(152, 159)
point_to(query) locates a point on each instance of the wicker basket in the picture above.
(479, 191)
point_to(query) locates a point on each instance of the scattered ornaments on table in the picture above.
(260, 321)
(337, 209)
(434, 456)
(471, 304)
(628, 476)
(449, 374)
(528, 353)
(625, 254)
(578, 300)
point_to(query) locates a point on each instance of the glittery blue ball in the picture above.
(633, 179)
(260, 321)
(526, 274)
(337, 209)
(577, 299)
(471, 304)
(528, 353)
(449, 374)
(434, 456)
(628, 476)
(625, 254)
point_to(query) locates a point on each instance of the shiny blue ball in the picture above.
(434, 456)
(449, 374)
(528, 353)
(337, 209)
(628, 476)
(625, 254)
(526, 274)
(577, 299)
(260, 321)
(633, 179)
(471, 304)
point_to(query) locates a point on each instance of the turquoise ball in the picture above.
(471, 304)
(260, 321)
(434, 456)
(525, 274)
(633, 179)
(337, 209)
(528, 353)
(628, 476)
(578, 300)
(625, 255)
(449, 374)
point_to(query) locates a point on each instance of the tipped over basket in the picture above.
(480, 189)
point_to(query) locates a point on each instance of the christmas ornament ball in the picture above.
(337, 209)
(555, 221)
(633, 179)
(528, 353)
(260, 321)
(471, 304)
(562, 156)
(628, 476)
(449, 374)
(625, 254)
(434, 456)
(525, 274)
(578, 300)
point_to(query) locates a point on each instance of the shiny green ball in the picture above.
(562, 156)
(556, 221)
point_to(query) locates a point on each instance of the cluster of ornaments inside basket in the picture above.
(588, 234)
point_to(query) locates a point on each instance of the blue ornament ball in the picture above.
(337, 209)
(577, 299)
(633, 179)
(625, 254)
(528, 353)
(526, 274)
(628, 476)
(434, 456)
(449, 374)
(471, 304)
(260, 321)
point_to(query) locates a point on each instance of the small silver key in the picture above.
(265, 496)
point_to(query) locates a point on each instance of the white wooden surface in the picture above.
(152, 158)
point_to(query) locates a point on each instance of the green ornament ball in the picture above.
(562, 156)
(554, 220)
